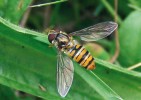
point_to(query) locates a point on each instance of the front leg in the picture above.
(51, 45)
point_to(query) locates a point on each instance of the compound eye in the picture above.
(51, 37)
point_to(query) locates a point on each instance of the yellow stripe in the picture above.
(87, 61)
(91, 66)
(80, 55)
(72, 53)
(84, 59)
(77, 46)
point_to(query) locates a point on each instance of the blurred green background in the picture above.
(28, 66)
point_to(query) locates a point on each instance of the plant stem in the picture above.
(111, 10)
(46, 4)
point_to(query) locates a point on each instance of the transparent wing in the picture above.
(65, 72)
(96, 32)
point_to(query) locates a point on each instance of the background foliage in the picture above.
(28, 64)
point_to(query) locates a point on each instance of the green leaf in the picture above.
(117, 77)
(13, 9)
(28, 64)
(129, 37)
(125, 83)
(6, 93)
(135, 2)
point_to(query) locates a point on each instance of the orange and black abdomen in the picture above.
(82, 56)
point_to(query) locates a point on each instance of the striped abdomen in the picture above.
(82, 56)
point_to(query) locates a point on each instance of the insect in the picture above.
(68, 49)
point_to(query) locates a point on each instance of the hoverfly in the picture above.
(65, 44)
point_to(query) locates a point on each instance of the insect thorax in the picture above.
(62, 41)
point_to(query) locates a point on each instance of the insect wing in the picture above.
(96, 32)
(65, 72)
